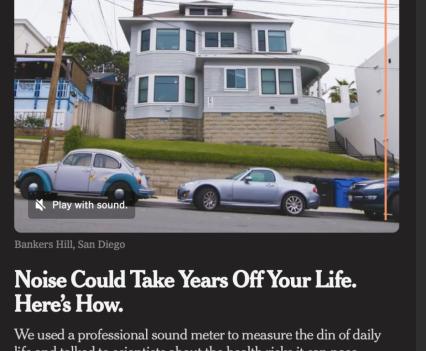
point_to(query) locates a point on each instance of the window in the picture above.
(167, 39)
(196, 12)
(190, 40)
(261, 40)
(143, 90)
(219, 40)
(190, 90)
(104, 161)
(227, 40)
(286, 81)
(212, 40)
(263, 176)
(166, 89)
(277, 40)
(78, 159)
(236, 79)
(268, 81)
(145, 40)
(214, 12)
(284, 85)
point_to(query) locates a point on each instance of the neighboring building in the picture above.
(32, 83)
(28, 40)
(208, 72)
(338, 112)
(361, 131)
(105, 89)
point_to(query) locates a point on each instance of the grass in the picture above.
(29, 137)
(250, 155)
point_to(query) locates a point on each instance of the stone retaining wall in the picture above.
(299, 130)
(27, 152)
(165, 176)
(165, 128)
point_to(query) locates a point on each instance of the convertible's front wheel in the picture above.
(293, 204)
(31, 187)
(206, 199)
(119, 192)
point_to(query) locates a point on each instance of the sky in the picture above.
(344, 46)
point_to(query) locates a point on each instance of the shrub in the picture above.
(73, 139)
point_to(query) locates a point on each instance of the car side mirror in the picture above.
(247, 179)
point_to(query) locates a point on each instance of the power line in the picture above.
(364, 23)
(104, 21)
(247, 49)
(328, 4)
(81, 26)
(115, 26)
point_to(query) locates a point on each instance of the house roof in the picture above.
(101, 75)
(179, 15)
(33, 30)
(48, 56)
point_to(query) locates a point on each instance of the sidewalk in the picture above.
(172, 200)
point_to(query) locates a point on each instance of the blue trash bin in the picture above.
(341, 188)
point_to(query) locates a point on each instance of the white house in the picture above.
(362, 130)
(28, 40)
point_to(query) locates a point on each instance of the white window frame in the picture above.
(196, 40)
(277, 81)
(151, 88)
(139, 44)
(181, 35)
(225, 77)
(219, 40)
(137, 78)
(267, 41)
(187, 12)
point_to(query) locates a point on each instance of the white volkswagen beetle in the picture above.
(94, 172)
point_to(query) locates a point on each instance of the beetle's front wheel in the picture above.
(31, 187)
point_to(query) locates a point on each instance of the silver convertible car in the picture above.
(93, 172)
(259, 187)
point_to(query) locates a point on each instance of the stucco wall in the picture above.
(165, 176)
(27, 153)
(362, 130)
(307, 131)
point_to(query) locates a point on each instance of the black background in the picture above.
(383, 266)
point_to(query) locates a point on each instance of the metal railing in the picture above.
(34, 88)
(36, 119)
(346, 145)
(379, 150)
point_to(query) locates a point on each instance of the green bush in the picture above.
(73, 139)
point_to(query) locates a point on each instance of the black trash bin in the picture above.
(325, 188)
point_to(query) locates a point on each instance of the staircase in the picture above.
(335, 148)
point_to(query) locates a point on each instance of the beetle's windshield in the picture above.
(236, 176)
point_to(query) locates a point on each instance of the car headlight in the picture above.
(375, 186)
(19, 173)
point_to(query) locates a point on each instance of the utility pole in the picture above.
(44, 150)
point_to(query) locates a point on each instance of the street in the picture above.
(156, 216)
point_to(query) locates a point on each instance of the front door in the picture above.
(74, 172)
(261, 188)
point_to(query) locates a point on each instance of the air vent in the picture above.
(294, 101)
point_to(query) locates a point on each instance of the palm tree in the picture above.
(335, 91)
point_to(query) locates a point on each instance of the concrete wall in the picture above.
(307, 131)
(362, 130)
(165, 176)
(27, 153)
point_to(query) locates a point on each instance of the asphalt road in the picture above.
(152, 217)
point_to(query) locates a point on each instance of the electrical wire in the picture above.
(104, 21)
